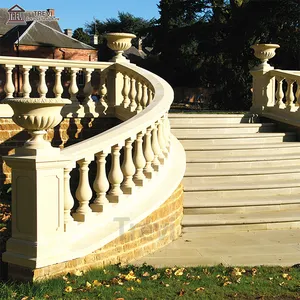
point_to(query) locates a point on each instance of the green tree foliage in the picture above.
(80, 35)
(206, 43)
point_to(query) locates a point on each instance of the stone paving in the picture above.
(240, 248)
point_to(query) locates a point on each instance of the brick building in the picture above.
(40, 37)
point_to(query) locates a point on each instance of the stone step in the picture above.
(265, 217)
(249, 153)
(236, 139)
(241, 200)
(242, 168)
(212, 118)
(214, 147)
(238, 181)
(199, 130)
(241, 185)
(250, 192)
(191, 156)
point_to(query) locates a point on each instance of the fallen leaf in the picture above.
(130, 276)
(88, 285)
(179, 272)
(25, 298)
(227, 283)
(199, 289)
(68, 289)
(146, 274)
(181, 292)
(130, 288)
(78, 273)
(138, 280)
(97, 283)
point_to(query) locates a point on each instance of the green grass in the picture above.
(146, 282)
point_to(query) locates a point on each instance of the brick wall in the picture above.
(151, 234)
(49, 52)
(68, 132)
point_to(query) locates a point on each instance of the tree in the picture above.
(125, 22)
(80, 35)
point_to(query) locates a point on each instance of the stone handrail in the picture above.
(138, 165)
(276, 94)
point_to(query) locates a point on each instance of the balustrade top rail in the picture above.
(24, 61)
(286, 74)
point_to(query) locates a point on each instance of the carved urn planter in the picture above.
(119, 42)
(37, 115)
(264, 52)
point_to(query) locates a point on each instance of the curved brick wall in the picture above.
(154, 232)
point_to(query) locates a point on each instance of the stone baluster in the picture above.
(68, 199)
(150, 96)
(148, 153)
(128, 168)
(9, 87)
(88, 89)
(167, 131)
(115, 176)
(139, 161)
(156, 149)
(125, 91)
(58, 88)
(103, 92)
(161, 140)
(132, 94)
(139, 95)
(144, 100)
(289, 95)
(42, 87)
(26, 88)
(279, 93)
(73, 88)
(84, 192)
(297, 95)
(101, 184)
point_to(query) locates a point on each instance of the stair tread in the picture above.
(244, 146)
(246, 157)
(240, 200)
(254, 170)
(269, 184)
(234, 135)
(199, 116)
(248, 218)
(237, 125)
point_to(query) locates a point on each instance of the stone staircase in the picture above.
(241, 174)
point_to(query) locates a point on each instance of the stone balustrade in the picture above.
(276, 93)
(70, 203)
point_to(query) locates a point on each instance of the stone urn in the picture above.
(119, 42)
(264, 52)
(37, 115)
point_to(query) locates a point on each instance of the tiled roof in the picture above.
(36, 33)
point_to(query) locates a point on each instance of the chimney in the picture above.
(94, 39)
(51, 12)
(68, 32)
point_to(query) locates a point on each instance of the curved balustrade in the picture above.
(127, 172)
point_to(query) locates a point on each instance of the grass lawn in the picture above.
(145, 282)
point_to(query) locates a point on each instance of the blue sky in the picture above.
(75, 13)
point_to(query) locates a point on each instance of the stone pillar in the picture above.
(37, 213)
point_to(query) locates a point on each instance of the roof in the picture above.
(4, 28)
(36, 33)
